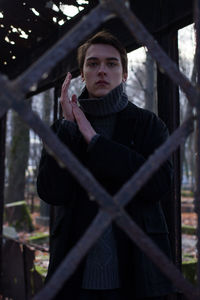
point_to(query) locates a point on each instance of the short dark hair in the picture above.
(103, 37)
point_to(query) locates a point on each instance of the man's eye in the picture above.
(92, 64)
(112, 64)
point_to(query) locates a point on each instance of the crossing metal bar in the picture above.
(28, 80)
(145, 244)
(64, 156)
(84, 177)
(72, 260)
(81, 173)
(12, 93)
(197, 137)
(67, 268)
(154, 162)
(144, 38)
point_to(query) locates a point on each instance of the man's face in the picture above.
(102, 70)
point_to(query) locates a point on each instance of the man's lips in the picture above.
(103, 82)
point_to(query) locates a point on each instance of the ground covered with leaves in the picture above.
(38, 239)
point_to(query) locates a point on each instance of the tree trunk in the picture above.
(188, 149)
(17, 160)
(150, 91)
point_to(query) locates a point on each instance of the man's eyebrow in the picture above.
(113, 58)
(107, 58)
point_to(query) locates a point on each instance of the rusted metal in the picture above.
(28, 80)
(77, 170)
(2, 178)
(49, 139)
(37, 125)
(166, 148)
(197, 150)
(44, 28)
(59, 151)
(181, 134)
(28, 118)
(11, 95)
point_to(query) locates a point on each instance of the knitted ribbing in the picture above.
(101, 269)
(115, 101)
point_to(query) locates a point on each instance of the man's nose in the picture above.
(102, 69)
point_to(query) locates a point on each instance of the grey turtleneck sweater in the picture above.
(101, 269)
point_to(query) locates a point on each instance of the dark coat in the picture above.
(137, 134)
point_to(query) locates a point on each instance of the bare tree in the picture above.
(47, 106)
(188, 150)
(17, 159)
(150, 86)
(141, 85)
(188, 67)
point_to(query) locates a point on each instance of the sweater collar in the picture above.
(115, 101)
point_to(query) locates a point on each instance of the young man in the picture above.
(112, 138)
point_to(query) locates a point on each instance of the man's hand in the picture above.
(84, 125)
(65, 100)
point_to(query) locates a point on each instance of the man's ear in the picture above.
(124, 77)
(82, 76)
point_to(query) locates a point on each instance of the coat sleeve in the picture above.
(55, 185)
(116, 163)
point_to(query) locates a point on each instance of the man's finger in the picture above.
(74, 99)
(67, 81)
(76, 110)
(78, 114)
(65, 86)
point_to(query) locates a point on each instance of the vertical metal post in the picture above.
(55, 107)
(197, 154)
(169, 112)
(2, 177)
(55, 117)
(25, 270)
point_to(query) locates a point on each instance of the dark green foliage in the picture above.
(189, 269)
(186, 229)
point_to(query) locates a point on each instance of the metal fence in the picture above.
(12, 94)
